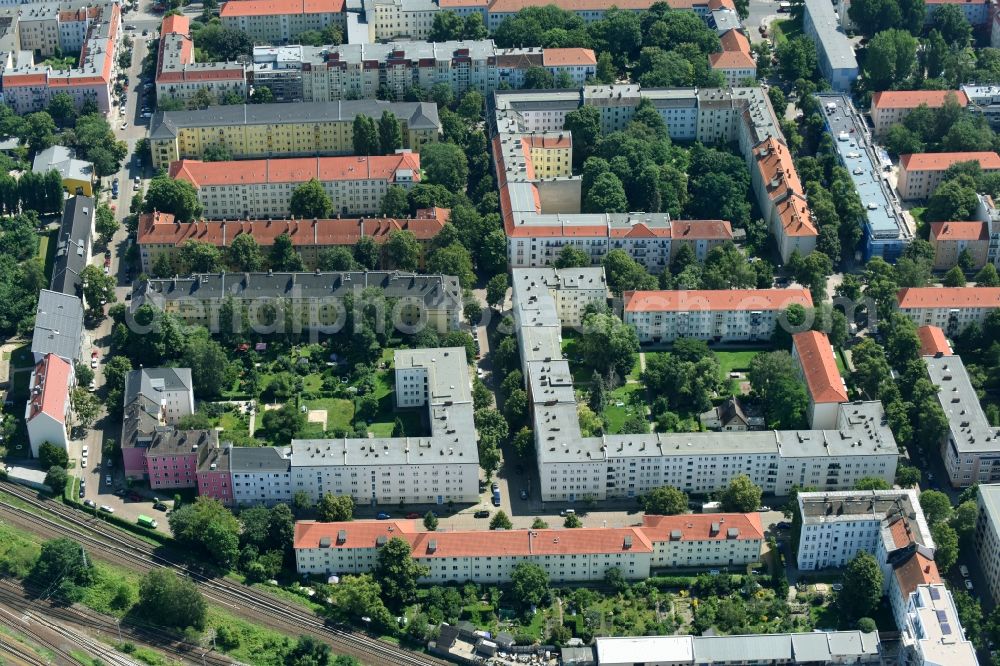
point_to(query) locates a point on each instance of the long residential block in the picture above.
(834, 49)
(281, 130)
(584, 554)
(892, 106)
(573, 467)
(278, 21)
(179, 77)
(725, 315)
(950, 308)
(93, 30)
(159, 233)
(988, 535)
(306, 301)
(363, 71)
(262, 189)
(921, 173)
(814, 356)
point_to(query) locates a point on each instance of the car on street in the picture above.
(567, 512)
(482, 513)
(123, 126)
(968, 585)
(383, 516)
(524, 494)
(784, 525)
(764, 509)
(107, 479)
(119, 492)
(160, 506)
(109, 462)
(93, 385)
(107, 509)
(89, 502)
(964, 570)
(93, 362)
(85, 451)
(495, 487)
(83, 463)
(413, 514)
(83, 491)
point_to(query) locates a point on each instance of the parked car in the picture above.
(160, 506)
(968, 585)
(482, 513)
(964, 570)
(89, 502)
(107, 479)
(107, 509)
(567, 512)
(82, 491)
(383, 516)
(83, 463)
(413, 514)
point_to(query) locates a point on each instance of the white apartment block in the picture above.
(930, 631)
(988, 535)
(435, 469)
(731, 315)
(951, 309)
(572, 467)
(363, 71)
(260, 475)
(541, 206)
(971, 447)
(281, 21)
(263, 189)
(577, 555)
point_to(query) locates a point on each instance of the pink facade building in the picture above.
(214, 477)
(155, 400)
(172, 457)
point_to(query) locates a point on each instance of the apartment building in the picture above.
(435, 469)
(886, 234)
(951, 239)
(259, 131)
(263, 189)
(783, 203)
(304, 301)
(159, 233)
(977, 12)
(540, 199)
(814, 356)
(988, 535)
(172, 456)
(578, 555)
(931, 632)
(892, 106)
(573, 467)
(260, 475)
(155, 400)
(970, 448)
(58, 327)
(985, 99)
(74, 245)
(728, 315)
(818, 648)
(950, 308)
(179, 77)
(921, 173)
(213, 475)
(834, 49)
(734, 61)
(43, 28)
(367, 70)
(78, 176)
(47, 410)
(280, 21)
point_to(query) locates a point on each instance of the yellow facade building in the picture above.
(282, 130)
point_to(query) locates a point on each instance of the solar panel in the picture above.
(935, 594)
(941, 616)
(946, 629)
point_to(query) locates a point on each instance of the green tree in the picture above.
(310, 201)
(217, 152)
(608, 344)
(309, 651)
(496, 290)
(262, 95)
(63, 567)
(529, 584)
(337, 258)
(963, 520)
(105, 224)
(197, 256)
(244, 254)
(453, 260)
(445, 164)
(171, 601)
(395, 203)
(97, 287)
(430, 521)
(50, 455)
(57, 479)
(335, 508)
(397, 573)
(500, 521)
(115, 371)
(572, 521)
(403, 250)
(797, 59)
(891, 58)
(987, 277)
(741, 495)
(907, 476)
(585, 126)
(571, 257)
(862, 586)
(177, 197)
(283, 256)
(936, 506)
(62, 109)
(952, 200)
(390, 133)
(775, 381)
(211, 371)
(447, 26)
(367, 252)
(872, 483)
(208, 527)
(606, 195)
(954, 277)
(946, 541)
(284, 424)
(365, 136)
(952, 25)
(539, 524)
(85, 406)
(665, 501)
(624, 273)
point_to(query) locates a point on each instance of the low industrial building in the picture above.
(263, 189)
(921, 173)
(259, 131)
(725, 315)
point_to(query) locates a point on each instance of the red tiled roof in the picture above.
(701, 230)
(474, 543)
(731, 60)
(916, 571)
(819, 367)
(911, 99)
(294, 170)
(717, 299)
(948, 297)
(956, 231)
(557, 57)
(50, 392)
(941, 161)
(933, 341)
(698, 527)
(513, 6)
(176, 23)
(161, 229)
(235, 8)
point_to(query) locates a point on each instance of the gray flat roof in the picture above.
(253, 459)
(969, 428)
(58, 325)
(838, 48)
(416, 115)
(989, 495)
(859, 157)
(149, 382)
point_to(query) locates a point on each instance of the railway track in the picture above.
(253, 605)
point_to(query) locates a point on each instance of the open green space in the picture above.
(622, 404)
(47, 244)
(786, 29)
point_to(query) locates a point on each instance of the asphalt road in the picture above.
(761, 11)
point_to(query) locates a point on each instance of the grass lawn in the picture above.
(736, 361)
(617, 414)
(838, 356)
(786, 29)
(918, 220)
(47, 251)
